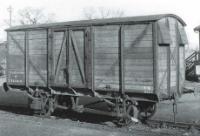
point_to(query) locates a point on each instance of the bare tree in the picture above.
(30, 15)
(101, 12)
(89, 13)
(104, 13)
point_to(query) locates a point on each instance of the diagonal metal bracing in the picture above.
(77, 56)
(58, 64)
(135, 42)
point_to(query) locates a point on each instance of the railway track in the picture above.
(10, 120)
(181, 125)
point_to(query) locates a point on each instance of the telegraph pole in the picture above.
(10, 10)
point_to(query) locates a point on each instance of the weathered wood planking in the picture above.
(182, 41)
(173, 52)
(163, 69)
(129, 56)
(137, 62)
(181, 66)
(37, 44)
(107, 54)
(163, 32)
(75, 78)
(16, 58)
(17, 62)
(37, 52)
(111, 44)
(37, 57)
(175, 55)
(104, 37)
(133, 52)
(58, 40)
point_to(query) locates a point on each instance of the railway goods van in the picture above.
(128, 63)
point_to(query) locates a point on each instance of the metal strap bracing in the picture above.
(135, 42)
(60, 55)
(77, 56)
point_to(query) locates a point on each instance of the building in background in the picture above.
(2, 58)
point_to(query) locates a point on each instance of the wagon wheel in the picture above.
(148, 112)
(47, 106)
(131, 113)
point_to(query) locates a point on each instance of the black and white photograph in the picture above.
(100, 68)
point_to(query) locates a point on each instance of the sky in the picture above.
(67, 10)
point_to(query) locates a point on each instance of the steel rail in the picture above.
(182, 125)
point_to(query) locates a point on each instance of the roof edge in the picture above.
(101, 21)
(177, 17)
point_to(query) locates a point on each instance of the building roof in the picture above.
(197, 28)
(135, 19)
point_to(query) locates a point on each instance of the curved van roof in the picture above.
(135, 19)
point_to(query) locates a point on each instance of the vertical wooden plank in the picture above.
(50, 62)
(48, 42)
(155, 56)
(177, 58)
(88, 58)
(7, 57)
(26, 58)
(53, 61)
(47, 66)
(92, 56)
(168, 71)
(121, 59)
(67, 58)
(85, 49)
(168, 64)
